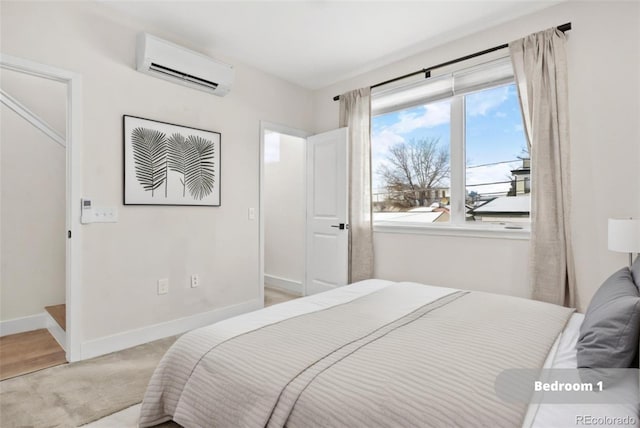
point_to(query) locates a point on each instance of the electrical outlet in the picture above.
(195, 280)
(252, 213)
(163, 286)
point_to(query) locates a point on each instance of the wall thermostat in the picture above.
(86, 214)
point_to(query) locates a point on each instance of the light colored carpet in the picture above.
(274, 296)
(75, 394)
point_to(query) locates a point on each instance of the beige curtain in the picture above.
(540, 66)
(355, 112)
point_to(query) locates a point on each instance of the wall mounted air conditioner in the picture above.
(177, 64)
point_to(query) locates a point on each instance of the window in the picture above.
(410, 164)
(451, 150)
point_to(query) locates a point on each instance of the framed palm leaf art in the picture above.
(166, 164)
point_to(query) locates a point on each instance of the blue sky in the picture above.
(494, 133)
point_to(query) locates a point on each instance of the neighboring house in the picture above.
(504, 209)
(432, 214)
(384, 198)
(515, 207)
(521, 182)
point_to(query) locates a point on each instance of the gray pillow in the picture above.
(635, 272)
(611, 326)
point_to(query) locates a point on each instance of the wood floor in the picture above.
(58, 313)
(29, 352)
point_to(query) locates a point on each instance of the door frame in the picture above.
(286, 130)
(73, 139)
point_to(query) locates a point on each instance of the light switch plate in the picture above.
(105, 215)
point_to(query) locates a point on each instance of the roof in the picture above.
(506, 204)
(407, 216)
(521, 170)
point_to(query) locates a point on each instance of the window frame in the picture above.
(457, 225)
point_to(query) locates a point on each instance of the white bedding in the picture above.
(563, 354)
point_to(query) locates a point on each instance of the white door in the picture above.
(327, 203)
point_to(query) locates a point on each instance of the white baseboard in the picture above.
(128, 339)
(34, 322)
(56, 331)
(288, 285)
(20, 325)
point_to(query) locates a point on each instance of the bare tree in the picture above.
(414, 170)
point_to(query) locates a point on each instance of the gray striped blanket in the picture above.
(392, 358)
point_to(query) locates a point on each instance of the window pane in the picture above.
(498, 166)
(410, 164)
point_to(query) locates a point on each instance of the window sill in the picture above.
(466, 231)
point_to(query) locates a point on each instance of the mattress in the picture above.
(562, 354)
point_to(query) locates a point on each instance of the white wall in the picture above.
(604, 67)
(453, 261)
(284, 211)
(32, 217)
(122, 262)
(44, 97)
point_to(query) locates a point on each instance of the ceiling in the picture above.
(316, 43)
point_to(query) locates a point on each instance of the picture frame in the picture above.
(169, 164)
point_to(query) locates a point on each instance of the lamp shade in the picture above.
(624, 235)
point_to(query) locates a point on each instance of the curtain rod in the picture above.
(427, 71)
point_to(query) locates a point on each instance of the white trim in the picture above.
(458, 163)
(22, 111)
(289, 285)
(73, 283)
(56, 331)
(74, 194)
(127, 339)
(467, 231)
(20, 325)
(264, 126)
(33, 68)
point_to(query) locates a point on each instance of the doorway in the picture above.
(282, 210)
(303, 210)
(41, 167)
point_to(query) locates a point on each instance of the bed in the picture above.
(372, 354)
